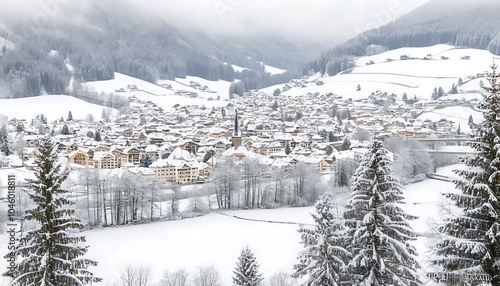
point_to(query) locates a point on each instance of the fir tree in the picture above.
(49, 255)
(97, 136)
(275, 105)
(145, 161)
(377, 228)
(346, 144)
(288, 148)
(43, 119)
(70, 116)
(210, 153)
(65, 130)
(5, 142)
(19, 127)
(323, 258)
(471, 121)
(472, 240)
(246, 272)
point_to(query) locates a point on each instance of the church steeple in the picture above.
(237, 131)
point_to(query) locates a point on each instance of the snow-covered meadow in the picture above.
(53, 107)
(414, 77)
(217, 238)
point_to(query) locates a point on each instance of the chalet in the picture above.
(80, 158)
(133, 155)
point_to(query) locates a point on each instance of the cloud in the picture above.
(318, 19)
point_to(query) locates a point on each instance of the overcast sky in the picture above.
(317, 19)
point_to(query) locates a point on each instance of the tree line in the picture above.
(464, 24)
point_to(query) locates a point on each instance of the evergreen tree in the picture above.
(145, 161)
(404, 98)
(377, 228)
(323, 258)
(19, 127)
(70, 116)
(331, 137)
(288, 148)
(275, 105)
(65, 130)
(5, 142)
(43, 119)
(434, 94)
(346, 144)
(472, 239)
(49, 255)
(97, 136)
(210, 153)
(329, 150)
(277, 92)
(454, 89)
(246, 272)
(471, 120)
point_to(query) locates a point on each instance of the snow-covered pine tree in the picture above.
(246, 272)
(5, 142)
(322, 261)
(65, 130)
(472, 238)
(377, 228)
(49, 255)
(97, 136)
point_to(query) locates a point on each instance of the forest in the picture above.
(465, 24)
(43, 59)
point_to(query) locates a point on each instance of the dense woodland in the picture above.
(135, 44)
(472, 24)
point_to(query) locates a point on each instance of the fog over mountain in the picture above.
(322, 20)
(154, 39)
(469, 23)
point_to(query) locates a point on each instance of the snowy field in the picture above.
(166, 98)
(217, 239)
(458, 114)
(415, 77)
(53, 107)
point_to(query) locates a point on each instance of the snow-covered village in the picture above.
(148, 153)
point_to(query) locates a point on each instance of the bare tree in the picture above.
(176, 278)
(207, 276)
(281, 279)
(361, 136)
(136, 276)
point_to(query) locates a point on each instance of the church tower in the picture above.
(237, 131)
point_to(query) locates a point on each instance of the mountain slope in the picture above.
(99, 38)
(473, 24)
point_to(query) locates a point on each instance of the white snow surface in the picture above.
(52, 107)
(217, 239)
(166, 98)
(416, 77)
(457, 114)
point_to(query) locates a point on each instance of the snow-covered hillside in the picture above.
(427, 68)
(52, 107)
(457, 114)
(167, 93)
